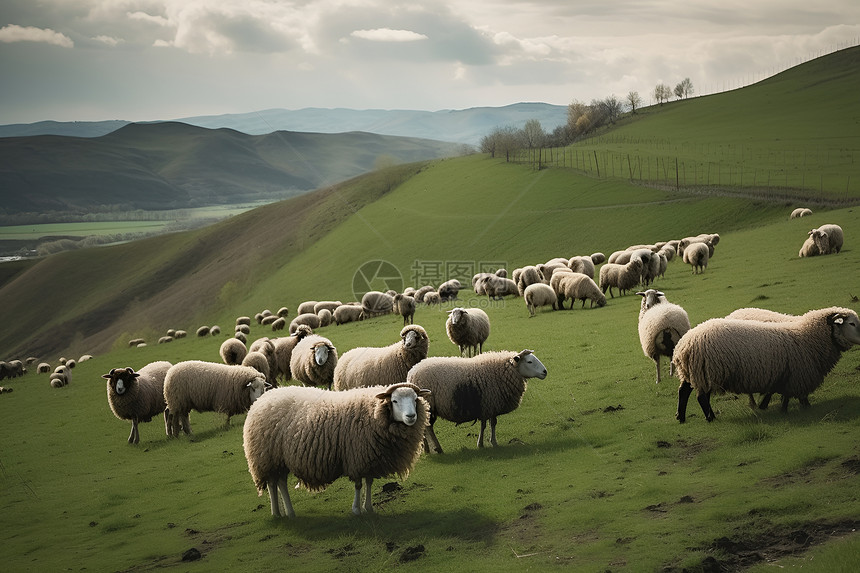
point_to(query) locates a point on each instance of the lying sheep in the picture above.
(208, 387)
(405, 307)
(468, 328)
(622, 277)
(661, 326)
(309, 319)
(347, 313)
(469, 389)
(319, 436)
(696, 255)
(497, 288)
(540, 294)
(387, 365)
(576, 286)
(233, 351)
(376, 303)
(809, 248)
(137, 396)
(313, 361)
(828, 238)
(750, 356)
(800, 212)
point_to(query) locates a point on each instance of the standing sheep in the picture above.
(376, 303)
(233, 351)
(582, 265)
(405, 307)
(62, 376)
(307, 307)
(540, 294)
(469, 389)
(449, 289)
(325, 317)
(468, 329)
(828, 238)
(749, 356)
(387, 365)
(623, 277)
(313, 361)
(528, 276)
(696, 255)
(309, 319)
(347, 313)
(319, 436)
(661, 326)
(576, 286)
(208, 387)
(137, 396)
(259, 362)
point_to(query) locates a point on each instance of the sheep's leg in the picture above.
(765, 401)
(804, 401)
(684, 391)
(272, 484)
(430, 440)
(356, 501)
(493, 432)
(481, 434)
(368, 503)
(167, 421)
(785, 400)
(657, 362)
(752, 401)
(133, 437)
(704, 399)
(186, 425)
(285, 493)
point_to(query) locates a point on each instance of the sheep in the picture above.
(215, 330)
(268, 320)
(432, 298)
(203, 331)
(43, 368)
(696, 255)
(540, 294)
(283, 312)
(809, 248)
(134, 342)
(306, 307)
(708, 239)
(528, 276)
(208, 387)
(241, 336)
(449, 289)
(325, 317)
(598, 258)
(480, 388)
(376, 303)
(280, 350)
(313, 361)
(582, 265)
(387, 365)
(800, 212)
(661, 326)
(497, 287)
(576, 286)
(750, 356)
(259, 362)
(243, 328)
(246, 320)
(329, 305)
(233, 351)
(347, 313)
(405, 307)
(137, 396)
(180, 334)
(319, 436)
(309, 319)
(468, 328)
(419, 294)
(62, 376)
(622, 277)
(279, 324)
(502, 273)
(828, 238)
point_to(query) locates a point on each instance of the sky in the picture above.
(136, 60)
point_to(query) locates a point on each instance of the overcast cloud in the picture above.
(162, 59)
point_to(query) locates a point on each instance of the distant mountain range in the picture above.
(460, 126)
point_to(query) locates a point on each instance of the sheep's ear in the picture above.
(109, 375)
(384, 395)
(424, 392)
(660, 293)
(131, 371)
(641, 294)
(836, 318)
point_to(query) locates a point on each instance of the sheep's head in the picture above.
(302, 330)
(456, 315)
(651, 297)
(845, 328)
(528, 365)
(322, 351)
(257, 387)
(412, 336)
(121, 379)
(404, 402)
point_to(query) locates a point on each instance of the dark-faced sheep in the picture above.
(468, 328)
(661, 326)
(137, 396)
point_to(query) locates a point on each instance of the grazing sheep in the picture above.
(137, 396)
(259, 362)
(282, 352)
(696, 255)
(325, 317)
(269, 319)
(134, 342)
(329, 305)
(319, 436)
(233, 351)
(498, 288)
(313, 361)
(421, 292)
(307, 307)
(308, 319)
(479, 388)
(180, 334)
(661, 326)
(622, 277)
(43, 368)
(528, 276)
(376, 303)
(62, 376)
(365, 366)
(582, 265)
(809, 248)
(347, 313)
(432, 298)
(800, 212)
(215, 330)
(246, 320)
(828, 238)
(502, 273)
(241, 336)
(243, 328)
(468, 328)
(576, 286)
(203, 331)
(540, 294)
(449, 289)
(598, 258)
(208, 387)
(283, 312)
(750, 356)
(405, 307)
(279, 324)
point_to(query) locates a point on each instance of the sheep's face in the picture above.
(457, 315)
(404, 402)
(651, 297)
(846, 327)
(321, 354)
(412, 338)
(121, 379)
(529, 366)
(256, 388)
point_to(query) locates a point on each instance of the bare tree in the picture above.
(662, 93)
(501, 141)
(634, 100)
(533, 134)
(612, 107)
(684, 89)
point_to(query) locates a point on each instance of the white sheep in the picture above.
(372, 366)
(540, 294)
(496, 287)
(208, 387)
(754, 357)
(376, 303)
(405, 307)
(313, 361)
(325, 317)
(469, 389)
(307, 307)
(259, 362)
(43, 368)
(696, 255)
(280, 323)
(800, 212)
(529, 275)
(449, 289)
(582, 265)
(347, 313)
(432, 298)
(319, 436)
(233, 351)
(598, 258)
(137, 396)
(421, 292)
(62, 376)
(329, 305)
(623, 277)
(468, 328)
(309, 319)
(809, 248)
(577, 286)
(828, 238)
(661, 326)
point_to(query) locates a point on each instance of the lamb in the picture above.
(809, 248)
(661, 326)
(468, 329)
(208, 387)
(405, 307)
(388, 365)
(319, 436)
(232, 351)
(347, 313)
(137, 396)
(622, 277)
(469, 389)
(540, 294)
(449, 289)
(696, 255)
(313, 361)
(376, 303)
(582, 265)
(576, 286)
(750, 356)
(528, 276)
(308, 319)
(828, 238)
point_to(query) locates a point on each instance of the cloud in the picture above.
(108, 40)
(388, 35)
(14, 33)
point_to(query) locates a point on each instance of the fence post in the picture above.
(596, 162)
